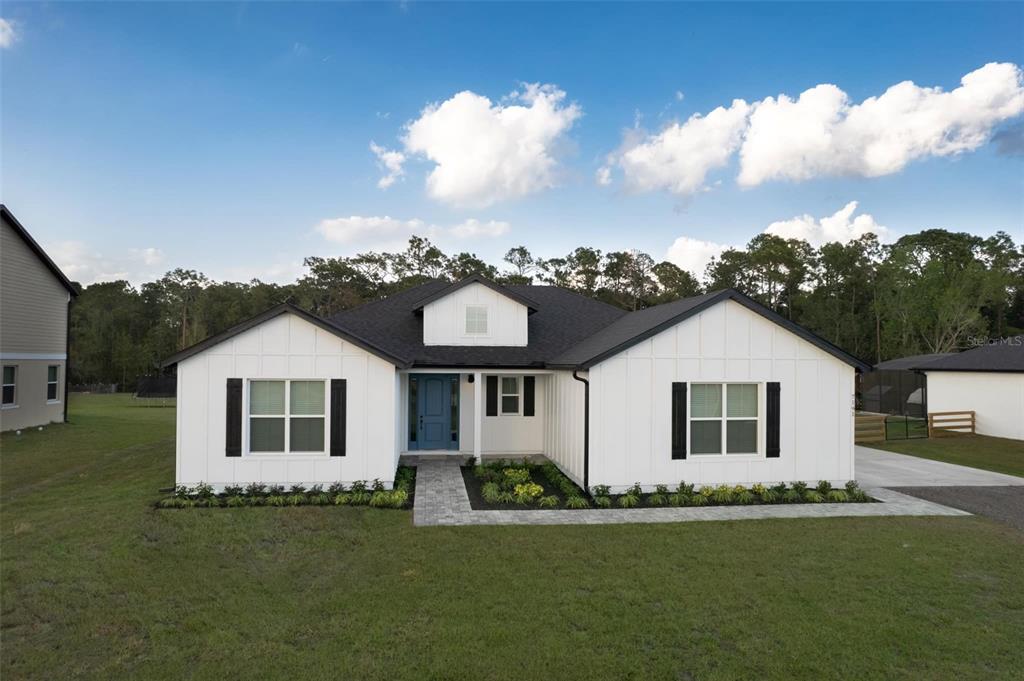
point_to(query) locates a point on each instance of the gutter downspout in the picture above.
(586, 430)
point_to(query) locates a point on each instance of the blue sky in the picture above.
(235, 138)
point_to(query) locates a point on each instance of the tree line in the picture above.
(934, 291)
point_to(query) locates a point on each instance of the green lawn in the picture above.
(96, 583)
(978, 451)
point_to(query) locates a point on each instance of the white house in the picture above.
(988, 380)
(710, 389)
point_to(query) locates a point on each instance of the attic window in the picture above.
(476, 320)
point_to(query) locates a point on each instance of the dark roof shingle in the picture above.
(1006, 355)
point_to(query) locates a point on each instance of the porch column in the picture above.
(478, 399)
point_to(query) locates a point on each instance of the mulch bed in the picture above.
(476, 501)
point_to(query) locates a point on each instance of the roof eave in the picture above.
(34, 246)
(530, 305)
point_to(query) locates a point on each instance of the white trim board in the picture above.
(60, 356)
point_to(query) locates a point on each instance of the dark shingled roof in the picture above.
(635, 327)
(1006, 355)
(911, 362)
(562, 319)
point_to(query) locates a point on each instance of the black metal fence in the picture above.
(156, 386)
(899, 394)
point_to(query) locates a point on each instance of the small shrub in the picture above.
(635, 490)
(256, 501)
(506, 497)
(769, 496)
(602, 502)
(182, 491)
(297, 489)
(296, 499)
(203, 491)
(276, 491)
(336, 488)
(738, 489)
(657, 499)
(550, 501)
(722, 494)
(515, 476)
(360, 498)
(275, 500)
(207, 502)
(529, 489)
(859, 496)
(170, 502)
(851, 486)
(358, 486)
(678, 499)
(576, 502)
(684, 488)
(800, 487)
(779, 489)
(378, 486)
(399, 498)
(317, 496)
(255, 489)
(234, 501)
(232, 490)
(342, 499)
(380, 499)
(628, 501)
(837, 496)
(824, 487)
(483, 473)
(490, 492)
(699, 499)
(601, 490)
(813, 496)
(791, 496)
(745, 497)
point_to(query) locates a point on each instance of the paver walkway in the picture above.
(877, 468)
(441, 499)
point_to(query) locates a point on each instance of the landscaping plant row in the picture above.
(504, 483)
(359, 493)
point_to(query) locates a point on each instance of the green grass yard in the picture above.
(978, 451)
(96, 583)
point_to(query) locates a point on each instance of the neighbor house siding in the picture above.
(444, 320)
(631, 398)
(563, 432)
(996, 398)
(281, 348)
(33, 303)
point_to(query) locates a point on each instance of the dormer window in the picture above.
(476, 320)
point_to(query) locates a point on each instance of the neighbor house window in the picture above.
(52, 379)
(286, 416)
(10, 381)
(509, 395)
(476, 319)
(723, 418)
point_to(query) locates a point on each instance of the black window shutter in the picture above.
(339, 412)
(678, 420)
(233, 424)
(492, 395)
(772, 445)
(529, 386)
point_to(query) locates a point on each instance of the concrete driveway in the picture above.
(875, 468)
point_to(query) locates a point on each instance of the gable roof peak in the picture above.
(476, 279)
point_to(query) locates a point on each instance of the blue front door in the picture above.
(436, 411)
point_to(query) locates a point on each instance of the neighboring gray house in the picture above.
(35, 300)
(711, 389)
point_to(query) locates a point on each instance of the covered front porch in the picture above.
(485, 413)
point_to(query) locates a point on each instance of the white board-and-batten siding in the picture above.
(631, 398)
(997, 399)
(444, 320)
(285, 347)
(564, 419)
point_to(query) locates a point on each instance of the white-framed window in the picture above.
(724, 418)
(509, 395)
(287, 416)
(53, 383)
(10, 386)
(476, 320)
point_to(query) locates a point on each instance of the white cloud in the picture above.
(473, 228)
(693, 255)
(678, 158)
(82, 264)
(391, 162)
(604, 176)
(485, 152)
(822, 133)
(8, 34)
(836, 227)
(679, 95)
(390, 234)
